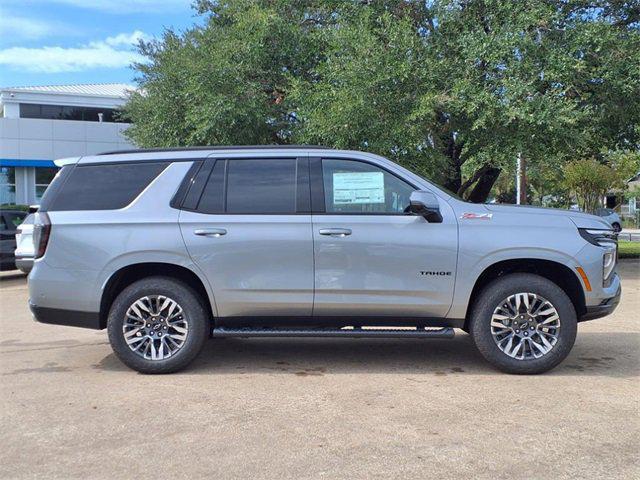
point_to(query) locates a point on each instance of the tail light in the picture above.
(41, 233)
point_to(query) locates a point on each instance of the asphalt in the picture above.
(317, 408)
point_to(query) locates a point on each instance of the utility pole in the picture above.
(521, 181)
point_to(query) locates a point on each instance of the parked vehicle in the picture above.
(24, 251)
(9, 221)
(164, 248)
(611, 217)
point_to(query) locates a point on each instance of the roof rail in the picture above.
(217, 147)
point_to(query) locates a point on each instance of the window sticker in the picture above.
(358, 187)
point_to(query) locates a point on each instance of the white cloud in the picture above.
(15, 27)
(127, 39)
(113, 52)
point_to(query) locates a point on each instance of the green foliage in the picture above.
(589, 180)
(452, 89)
(629, 249)
(13, 206)
(632, 193)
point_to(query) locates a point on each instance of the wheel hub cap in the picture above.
(155, 327)
(525, 326)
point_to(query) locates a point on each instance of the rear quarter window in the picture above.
(103, 187)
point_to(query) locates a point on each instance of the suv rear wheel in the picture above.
(157, 325)
(523, 323)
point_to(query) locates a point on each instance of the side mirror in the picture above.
(426, 205)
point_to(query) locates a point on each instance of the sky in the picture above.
(59, 42)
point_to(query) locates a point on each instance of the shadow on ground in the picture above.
(595, 354)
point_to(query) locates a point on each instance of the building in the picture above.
(40, 124)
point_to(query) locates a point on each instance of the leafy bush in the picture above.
(11, 206)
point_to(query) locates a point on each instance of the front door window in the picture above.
(357, 187)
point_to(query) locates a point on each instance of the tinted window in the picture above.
(212, 200)
(194, 192)
(14, 219)
(104, 187)
(64, 112)
(261, 186)
(51, 191)
(358, 187)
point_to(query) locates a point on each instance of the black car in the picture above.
(9, 222)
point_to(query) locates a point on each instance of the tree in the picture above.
(227, 81)
(452, 89)
(591, 180)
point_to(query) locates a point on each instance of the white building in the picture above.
(40, 124)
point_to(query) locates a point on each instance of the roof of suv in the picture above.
(242, 151)
(218, 147)
(191, 153)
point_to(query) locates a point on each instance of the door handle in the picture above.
(335, 232)
(210, 232)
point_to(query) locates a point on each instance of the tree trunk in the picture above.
(483, 186)
(453, 152)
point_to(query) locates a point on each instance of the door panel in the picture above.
(246, 234)
(372, 259)
(262, 265)
(387, 266)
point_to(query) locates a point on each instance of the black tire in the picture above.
(616, 227)
(194, 313)
(495, 293)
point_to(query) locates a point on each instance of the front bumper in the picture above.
(605, 308)
(71, 318)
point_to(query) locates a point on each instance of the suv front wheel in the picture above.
(157, 325)
(523, 323)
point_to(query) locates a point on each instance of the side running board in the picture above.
(335, 332)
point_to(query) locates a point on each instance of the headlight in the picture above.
(608, 265)
(600, 238)
(608, 240)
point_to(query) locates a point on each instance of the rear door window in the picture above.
(104, 187)
(212, 200)
(261, 186)
(252, 186)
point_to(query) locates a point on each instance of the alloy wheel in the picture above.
(155, 327)
(525, 326)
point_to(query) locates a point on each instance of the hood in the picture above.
(580, 219)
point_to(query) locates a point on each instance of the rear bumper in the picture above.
(24, 264)
(71, 318)
(605, 308)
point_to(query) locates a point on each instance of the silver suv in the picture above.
(166, 248)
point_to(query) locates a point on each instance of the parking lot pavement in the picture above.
(317, 408)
